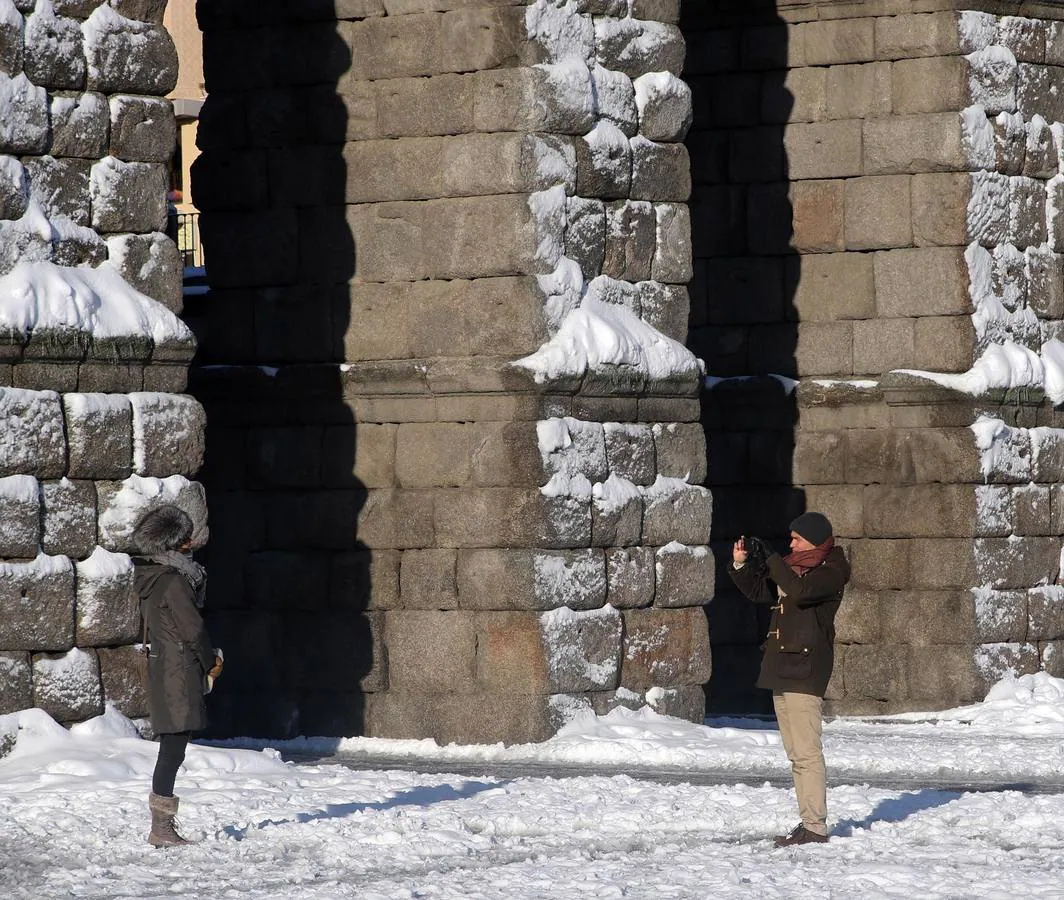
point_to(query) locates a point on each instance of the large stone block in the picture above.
(585, 234)
(676, 511)
(921, 282)
(823, 348)
(1045, 610)
(53, 55)
(832, 286)
(582, 649)
(448, 235)
(993, 662)
(684, 576)
(940, 209)
(840, 41)
(14, 188)
(944, 455)
(929, 142)
(99, 435)
(877, 672)
(817, 215)
(121, 681)
(910, 36)
(444, 664)
(616, 514)
(143, 129)
(152, 264)
(1015, 562)
(168, 434)
(60, 186)
(664, 104)
(37, 604)
(20, 525)
(509, 718)
(107, 608)
(68, 518)
(878, 213)
(31, 424)
(666, 307)
(672, 254)
(946, 675)
(278, 580)
(659, 171)
(920, 511)
(1027, 212)
(998, 615)
(24, 128)
(510, 650)
(818, 457)
(859, 91)
(799, 96)
(531, 579)
(543, 99)
(11, 44)
(16, 682)
(881, 345)
(352, 652)
(930, 84)
(680, 451)
(68, 687)
(128, 196)
(630, 577)
(637, 47)
(437, 454)
(943, 563)
(128, 57)
(427, 579)
(883, 564)
(665, 648)
(508, 517)
(631, 240)
(824, 149)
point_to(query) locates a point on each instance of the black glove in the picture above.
(757, 551)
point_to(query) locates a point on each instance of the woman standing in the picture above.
(805, 588)
(182, 664)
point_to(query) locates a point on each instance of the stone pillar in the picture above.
(454, 456)
(878, 197)
(93, 360)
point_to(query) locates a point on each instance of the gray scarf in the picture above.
(193, 572)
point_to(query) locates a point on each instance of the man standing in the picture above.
(805, 588)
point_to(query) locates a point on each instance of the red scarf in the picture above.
(801, 561)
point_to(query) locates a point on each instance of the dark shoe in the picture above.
(800, 835)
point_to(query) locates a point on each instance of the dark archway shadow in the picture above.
(288, 582)
(416, 796)
(896, 809)
(743, 320)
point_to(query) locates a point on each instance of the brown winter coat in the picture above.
(181, 651)
(799, 650)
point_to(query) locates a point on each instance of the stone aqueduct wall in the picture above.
(93, 425)
(413, 537)
(880, 187)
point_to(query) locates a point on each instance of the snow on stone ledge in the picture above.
(41, 295)
(598, 334)
(1007, 365)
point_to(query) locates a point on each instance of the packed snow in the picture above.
(73, 812)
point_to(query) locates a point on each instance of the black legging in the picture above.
(171, 755)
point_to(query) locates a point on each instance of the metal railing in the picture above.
(184, 229)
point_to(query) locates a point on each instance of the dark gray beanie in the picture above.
(813, 526)
(161, 529)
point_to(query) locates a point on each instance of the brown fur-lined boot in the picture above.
(163, 832)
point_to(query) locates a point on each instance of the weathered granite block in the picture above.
(444, 665)
(14, 188)
(352, 651)
(509, 517)
(996, 661)
(121, 681)
(427, 579)
(142, 129)
(16, 683)
(672, 255)
(53, 50)
(1045, 610)
(152, 264)
(107, 609)
(616, 101)
(128, 57)
(946, 674)
(11, 44)
(921, 282)
(37, 604)
(684, 576)
(616, 514)
(630, 573)
(660, 171)
(121, 503)
(676, 511)
(20, 526)
(630, 451)
(664, 104)
(665, 648)
(531, 579)
(877, 672)
(583, 649)
(168, 434)
(666, 307)
(60, 186)
(99, 435)
(128, 196)
(631, 240)
(636, 47)
(824, 149)
(142, 10)
(361, 455)
(680, 451)
(585, 234)
(510, 651)
(68, 517)
(68, 687)
(604, 163)
(500, 101)
(931, 142)
(1017, 562)
(434, 454)
(24, 128)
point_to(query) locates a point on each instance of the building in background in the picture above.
(187, 97)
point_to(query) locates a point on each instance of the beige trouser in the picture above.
(800, 719)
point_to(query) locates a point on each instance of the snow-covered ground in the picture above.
(73, 814)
